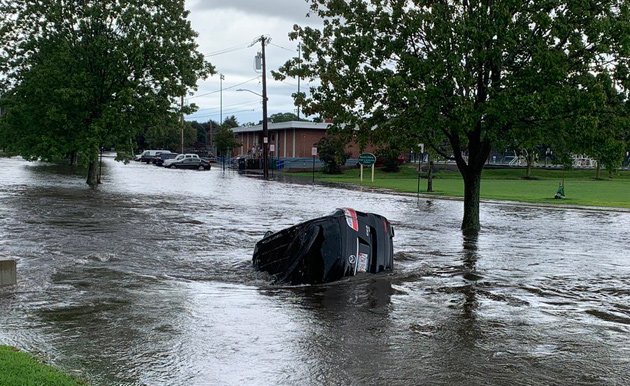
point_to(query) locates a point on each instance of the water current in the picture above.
(147, 280)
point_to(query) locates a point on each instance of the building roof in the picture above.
(283, 126)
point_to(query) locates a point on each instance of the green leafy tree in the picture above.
(170, 137)
(284, 117)
(201, 133)
(225, 141)
(459, 72)
(332, 152)
(78, 75)
(230, 122)
(601, 132)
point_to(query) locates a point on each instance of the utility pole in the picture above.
(299, 68)
(181, 108)
(264, 40)
(263, 63)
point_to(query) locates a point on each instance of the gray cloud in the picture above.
(295, 10)
(223, 25)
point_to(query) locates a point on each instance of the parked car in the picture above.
(159, 159)
(325, 249)
(179, 157)
(187, 161)
(148, 155)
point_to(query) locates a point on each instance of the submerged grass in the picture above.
(509, 184)
(19, 368)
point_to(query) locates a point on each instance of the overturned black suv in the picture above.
(325, 249)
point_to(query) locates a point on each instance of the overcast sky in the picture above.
(226, 30)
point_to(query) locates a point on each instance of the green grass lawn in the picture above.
(19, 368)
(580, 186)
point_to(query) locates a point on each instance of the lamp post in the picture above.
(221, 78)
(265, 144)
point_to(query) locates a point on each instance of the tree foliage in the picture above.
(469, 74)
(81, 74)
(230, 122)
(332, 152)
(602, 132)
(284, 117)
(170, 137)
(225, 141)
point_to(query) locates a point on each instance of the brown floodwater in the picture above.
(148, 281)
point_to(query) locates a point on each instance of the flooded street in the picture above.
(148, 281)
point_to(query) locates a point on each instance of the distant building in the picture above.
(293, 139)
(290, 142)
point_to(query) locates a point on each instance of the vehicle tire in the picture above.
(201, 167)
(173, 167)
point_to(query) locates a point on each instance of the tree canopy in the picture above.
(80, 74)
(462, 76)
(225, 141)
(284, 117)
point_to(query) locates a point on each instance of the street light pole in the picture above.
(221, 77)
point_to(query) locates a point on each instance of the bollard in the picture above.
(7, 272)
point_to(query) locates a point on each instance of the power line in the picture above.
(284, 48)
(216, 114)
(229, 106)
(227, 50)
(225, 88)
(289, 83)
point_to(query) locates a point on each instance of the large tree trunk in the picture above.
(598, 170)
(478, 151)
(73, 159)
(472, 187)
(92, 177)
(530, 161)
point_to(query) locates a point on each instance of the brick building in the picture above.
(291, 142)
(292, 139)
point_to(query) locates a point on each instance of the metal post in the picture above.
(430, 178)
